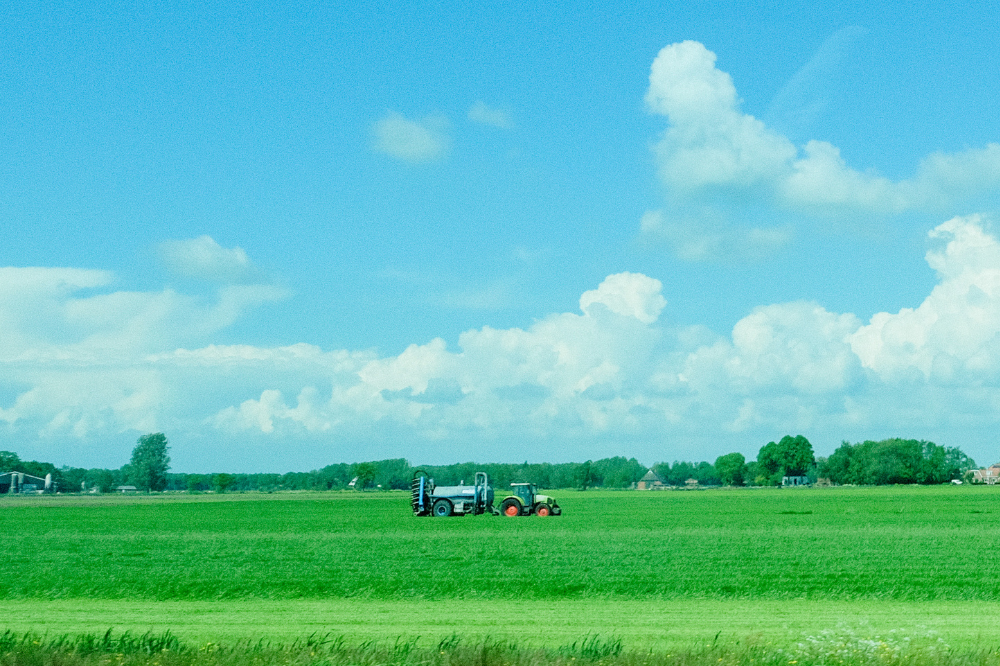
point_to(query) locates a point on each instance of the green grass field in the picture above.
(657, 570)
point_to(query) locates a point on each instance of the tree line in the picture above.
(885, 462)
(896, 461)
(866, 463)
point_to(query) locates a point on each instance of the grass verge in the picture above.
(165, 649)
(641, 625)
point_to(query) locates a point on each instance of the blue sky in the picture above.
(288, 236)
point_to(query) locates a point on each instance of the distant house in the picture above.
(126, 489)
(988, 475)
(691, 483)
(651, 481)
(788, 481)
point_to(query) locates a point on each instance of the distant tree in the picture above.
(40, 469)
(466, 472)
(618, 472)
(365, 473)
(792, 456)
(585, 475)
(541, 475)
(838, 466)
(393, 474)
(705, 474)
(680, 472)
(770, 465)
(296, 481)
(150, 462)
(73, 479)
(813, 472)
(194, 483)
(176, 481)
(895, 461)
(264, 482)
(563, 475)
(8, 461)
(102, 479)
(223, 482)
(797, 455)
(731, 469)
(957, 463)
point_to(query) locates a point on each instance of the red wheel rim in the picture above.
(511, 510)
(543, 511)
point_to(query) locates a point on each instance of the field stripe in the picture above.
(659, 624)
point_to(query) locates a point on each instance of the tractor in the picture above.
(526, 501)
(428, 499)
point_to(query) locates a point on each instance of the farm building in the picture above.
(787, 481)
(651, 481)
(15, 483)
(126, 489)
(988, 475)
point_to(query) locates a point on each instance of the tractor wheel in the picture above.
(442, 508)
(542, 510)
(510, 508)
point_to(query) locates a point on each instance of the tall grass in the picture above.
(833, 648)
(91, 644)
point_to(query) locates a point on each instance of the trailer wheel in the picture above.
(510, 507)
(442, 508)
(542, 510)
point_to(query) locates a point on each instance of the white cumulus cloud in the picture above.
(710, 141)
(611, 378)
(566, 368)
(712, 151)
(482, 113)
(627, 294)
(799, 348)
(954, 335)
(204, 259)
(422, 140)
(77, 356)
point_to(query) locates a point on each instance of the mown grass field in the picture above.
(655, 569)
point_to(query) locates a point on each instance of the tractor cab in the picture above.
(526, 492)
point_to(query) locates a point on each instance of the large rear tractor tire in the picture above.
(542, 510)
(510, 507)
(442, 508)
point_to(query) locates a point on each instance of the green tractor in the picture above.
(526, 501)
